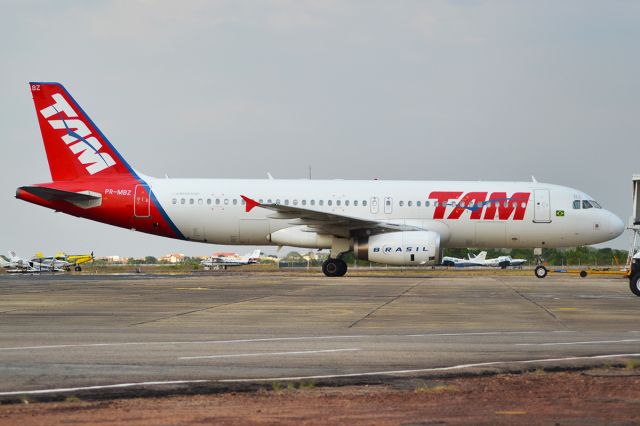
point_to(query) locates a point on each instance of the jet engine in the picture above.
(400, 248)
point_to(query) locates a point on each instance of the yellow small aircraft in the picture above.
(66, 261)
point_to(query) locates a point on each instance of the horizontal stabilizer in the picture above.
(82, 199)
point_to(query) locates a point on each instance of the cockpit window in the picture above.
(576, 204)
(595, 204)
(586, 204)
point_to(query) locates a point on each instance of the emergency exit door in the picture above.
(542, 208)
(142, 201)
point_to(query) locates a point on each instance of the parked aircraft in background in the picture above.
(64, 261)
(504, 261)
(472, 260)
(6, 263)
(16, 264)
(224, 261)
(389, 222)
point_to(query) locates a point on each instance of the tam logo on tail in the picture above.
(78, 136)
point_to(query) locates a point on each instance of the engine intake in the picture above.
(400, 248)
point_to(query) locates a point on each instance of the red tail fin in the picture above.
(75, 147)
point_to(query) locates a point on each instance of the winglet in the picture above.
(250, 203)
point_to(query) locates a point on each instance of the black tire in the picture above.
(343, 267)
(78, 269)
(334, 267)
(541, 271)
(583, 274)
(634, 284)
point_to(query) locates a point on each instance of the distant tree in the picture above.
(150, 260)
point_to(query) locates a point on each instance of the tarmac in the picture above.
(109, 335)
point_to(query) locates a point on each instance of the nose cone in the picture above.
(616, 225)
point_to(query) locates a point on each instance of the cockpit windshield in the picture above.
(585, 204)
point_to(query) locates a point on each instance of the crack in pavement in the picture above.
(547, 311)
(393, 299)
(196, 311)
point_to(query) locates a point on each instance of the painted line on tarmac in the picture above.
(591, 342)
(328, 376)
(274, 339)
(427, 370)
(103, 387)
(323, 351)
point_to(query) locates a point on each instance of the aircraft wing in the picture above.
(324, 222)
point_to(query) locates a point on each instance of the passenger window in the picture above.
(364, 203)
(295, 202)
(190, 200)
(208, 200)
(200, 201)
(174, 201)
(182, 200)
(304, 202)
(346, 203)
(217, 201)
(242, 202)
(260, 201)
(235, 202)
(388, 202)
(321, 202)
(329, 202)
(226, 201)
(418, 203)
(269, 201)
(286, 202)
(338, 202)
(401, 203)
(278, 201)
(427, 203)
(506, 204)
(355, 203)
(313, 202)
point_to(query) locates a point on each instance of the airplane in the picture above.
(64, 261)
(477, 260)
(17, 264)
(50, 262)
(387, 222)
(247, 259)
(504, 261)
(6, 263)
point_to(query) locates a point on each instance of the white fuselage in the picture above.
(212, 210)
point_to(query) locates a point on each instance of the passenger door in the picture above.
(542, 208)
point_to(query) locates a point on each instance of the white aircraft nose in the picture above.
(616, 225)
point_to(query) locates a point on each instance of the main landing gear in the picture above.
(334, 267)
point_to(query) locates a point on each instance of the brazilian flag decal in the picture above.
(560, 213)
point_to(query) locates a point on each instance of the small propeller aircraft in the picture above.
(63, 261)
(224, 261)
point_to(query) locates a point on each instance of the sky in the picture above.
(417, 90)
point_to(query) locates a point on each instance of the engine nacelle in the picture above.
(400, 248)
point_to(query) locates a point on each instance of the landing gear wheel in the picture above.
(634, 284)
(334, 267)
(78, 269)
(541, 271)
